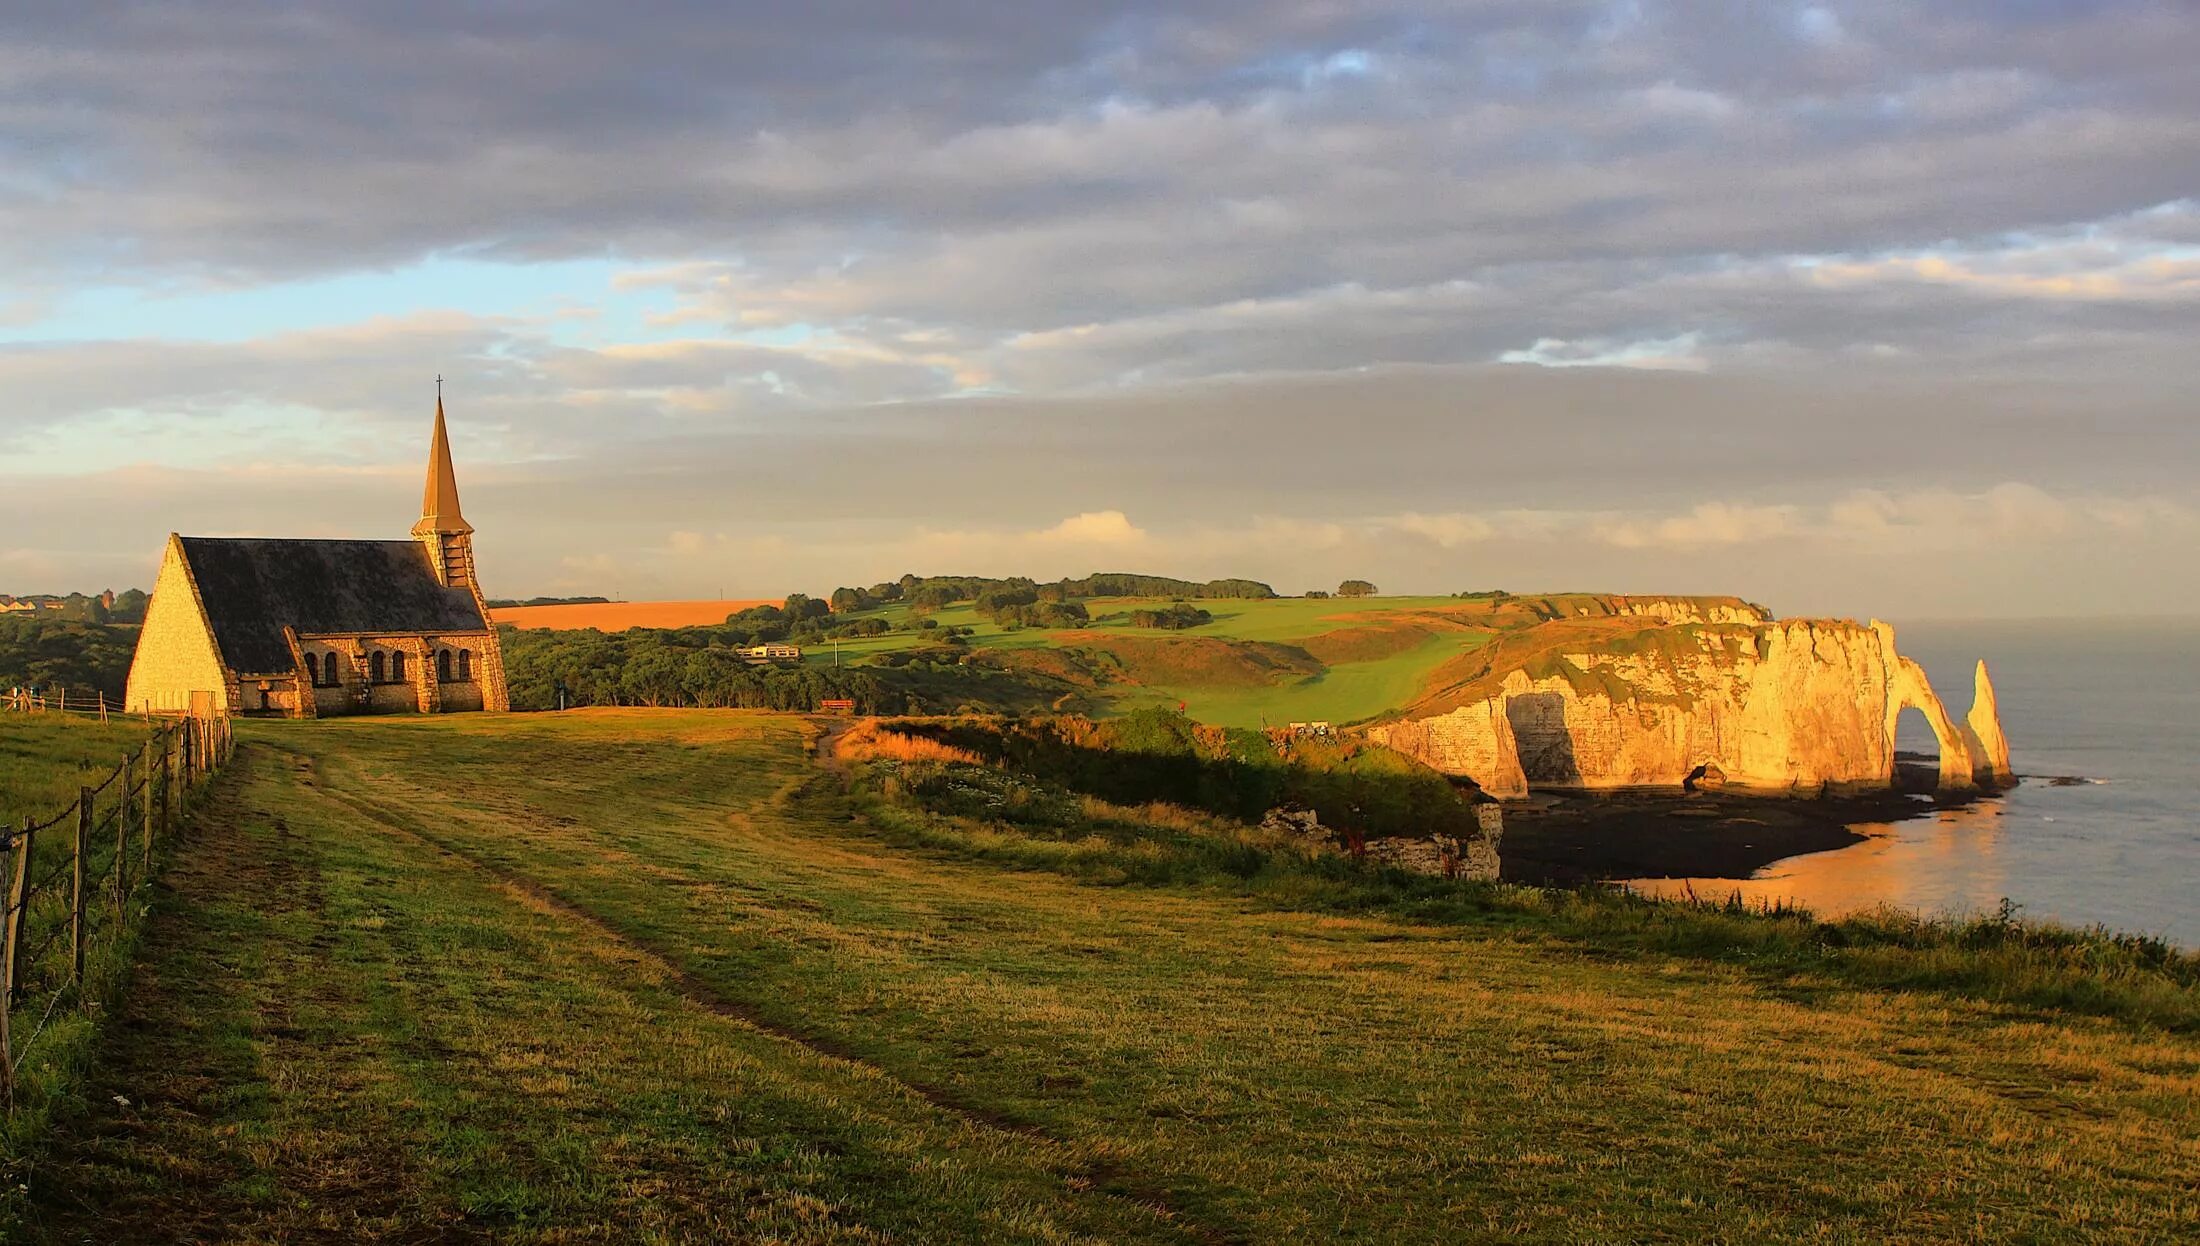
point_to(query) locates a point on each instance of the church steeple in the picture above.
(439, 501)
(445, 532)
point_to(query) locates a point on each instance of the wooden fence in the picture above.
(70, 877)
(63, 699)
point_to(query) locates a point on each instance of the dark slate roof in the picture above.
(254, 587)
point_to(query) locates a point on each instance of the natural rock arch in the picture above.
(1907, 689)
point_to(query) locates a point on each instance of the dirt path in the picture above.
(318, 1051)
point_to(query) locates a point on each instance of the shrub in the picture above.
(1174, 617)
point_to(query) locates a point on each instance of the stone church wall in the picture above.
(175, 652)
(393, 699)
(461, 696)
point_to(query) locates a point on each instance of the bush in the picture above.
(1174, 617)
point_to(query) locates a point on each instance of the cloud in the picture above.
(1245, 271)
(1671, 354)
(1095, 528)
(1708, 523)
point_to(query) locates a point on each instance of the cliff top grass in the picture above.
(1269, 661)
(656, 976)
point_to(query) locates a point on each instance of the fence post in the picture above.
(145, 867)
(167, 787)
(19, 900)
(76, 890)
(11, 934)
(122, 838)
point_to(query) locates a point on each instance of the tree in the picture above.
(800, 606)
(1355, 588)
(1174, 617)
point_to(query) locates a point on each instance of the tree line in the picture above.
(940, 591)
(42, 650)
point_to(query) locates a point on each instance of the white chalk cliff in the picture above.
(1982, 731)
(1799, 705)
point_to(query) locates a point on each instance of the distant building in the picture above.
(308, 627)
(758, 655)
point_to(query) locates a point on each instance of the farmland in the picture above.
(617, 616)
(1377, 656)
(659, 976)
(1255, 662)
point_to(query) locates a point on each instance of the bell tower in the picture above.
(449, 538)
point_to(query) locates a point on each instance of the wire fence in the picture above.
(70, 876)
(60, 698)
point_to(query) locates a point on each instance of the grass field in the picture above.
(1412, 637)
(45, 757)
(651, 976)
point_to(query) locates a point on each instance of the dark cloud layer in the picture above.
(1190, 261)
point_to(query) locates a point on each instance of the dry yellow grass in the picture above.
(618, 616)
(870, 741)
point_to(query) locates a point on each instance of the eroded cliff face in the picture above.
(1982, 731)
(1690, 610)
(1476, 741)
(1804, 704)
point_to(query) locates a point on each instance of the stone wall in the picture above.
(421, 690)
(175, 651)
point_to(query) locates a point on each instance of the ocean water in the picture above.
(2114, 703)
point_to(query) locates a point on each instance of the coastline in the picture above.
(1573, 838)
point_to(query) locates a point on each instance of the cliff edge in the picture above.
(1799, 705)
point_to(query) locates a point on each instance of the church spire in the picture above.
(439, 502)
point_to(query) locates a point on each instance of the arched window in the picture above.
(442, 664)
(465, 665)
(328, 670)
(397, 666)
(377, 670)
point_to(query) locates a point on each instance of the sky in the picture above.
(1863, 309)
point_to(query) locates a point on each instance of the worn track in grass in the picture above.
(603, 978)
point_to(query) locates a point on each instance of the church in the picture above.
(304, 628)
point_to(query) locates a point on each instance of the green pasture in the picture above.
(1343, 692)
(45, 757)
(661, 977)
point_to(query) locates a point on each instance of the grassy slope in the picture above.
(44, 757)
(394, 1031)
(1346, 691)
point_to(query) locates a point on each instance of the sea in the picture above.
(2103, 719)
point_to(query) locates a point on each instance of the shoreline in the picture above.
(1575, 838)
